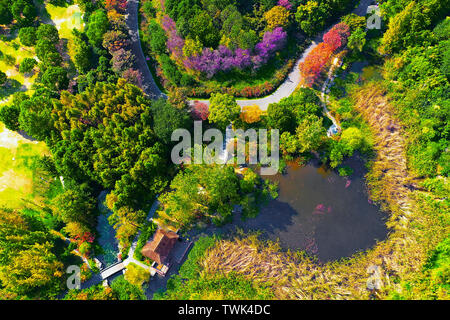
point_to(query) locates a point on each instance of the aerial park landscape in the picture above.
(224, 150)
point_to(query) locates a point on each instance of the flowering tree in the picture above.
(272, 42)
(122, 59)
(251, 114)
(278, 16)
(285, 3)
(133, 76)
(115, 40)
(320, 56)
(210, 62)
(119, 5)
(175, 43)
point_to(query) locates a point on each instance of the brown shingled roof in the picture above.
(159, 248)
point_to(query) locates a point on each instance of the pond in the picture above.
(321, 212)
(106, 232)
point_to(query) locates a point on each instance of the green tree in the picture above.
(158, 38)
(27, 36)
(353, 138)
(127, 222)
(200, 193)
(6, 16)
(35, 116)
(106, 136)
(310, 133)
(52, 59)
(9, 114)
(33, 272)
(281, 117)
(124, 290)
(357, 40)
(82, 53)
(24, 12)
(28, 267)
(354, 22)
(3, 78)
(167, 118)
(312, 16)
(202, 26)
(43, 47)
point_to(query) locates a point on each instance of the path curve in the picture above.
(284, 90)
(132, 18)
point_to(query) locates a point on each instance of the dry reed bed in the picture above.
(297, 276)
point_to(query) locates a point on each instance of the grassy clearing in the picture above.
(66, 19)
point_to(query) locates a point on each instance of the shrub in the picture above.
(27, 36)
(47, 32)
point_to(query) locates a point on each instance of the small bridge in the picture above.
(113, 269)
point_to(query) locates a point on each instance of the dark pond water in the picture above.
(321, 212)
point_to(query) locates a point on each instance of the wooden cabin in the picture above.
(159, 248)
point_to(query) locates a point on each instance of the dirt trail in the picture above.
(390, 146)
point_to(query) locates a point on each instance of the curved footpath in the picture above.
(149, 86)
(284, 90)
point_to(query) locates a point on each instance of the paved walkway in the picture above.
(149, 85)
